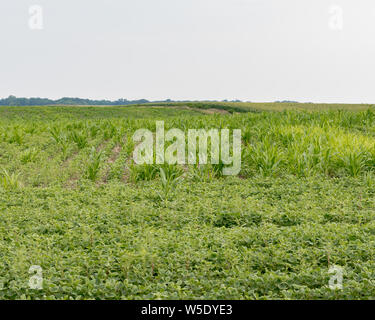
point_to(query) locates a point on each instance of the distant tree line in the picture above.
(286, 101)
(14, 101)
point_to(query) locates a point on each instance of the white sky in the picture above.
(253, 50)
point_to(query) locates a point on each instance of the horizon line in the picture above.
(183, 100)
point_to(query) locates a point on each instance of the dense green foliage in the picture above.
(72, 202)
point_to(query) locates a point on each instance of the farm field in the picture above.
(100, 227)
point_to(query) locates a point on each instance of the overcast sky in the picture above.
(253, 50)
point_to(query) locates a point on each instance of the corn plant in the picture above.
(94, 130)
(9, 181)
(144, 172)
(80, 139)
(265, 157)
(56, 134)
(93, 165)
(201, 173)
(129, 146)
(16, 136)
(31, 129)
(354, 162)
(246, 137)
(109, 132)
(325, 163)
(29, 155)
(64, 144)
(169, 182)
(218, 169)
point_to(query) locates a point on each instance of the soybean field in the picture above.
(99, 226)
